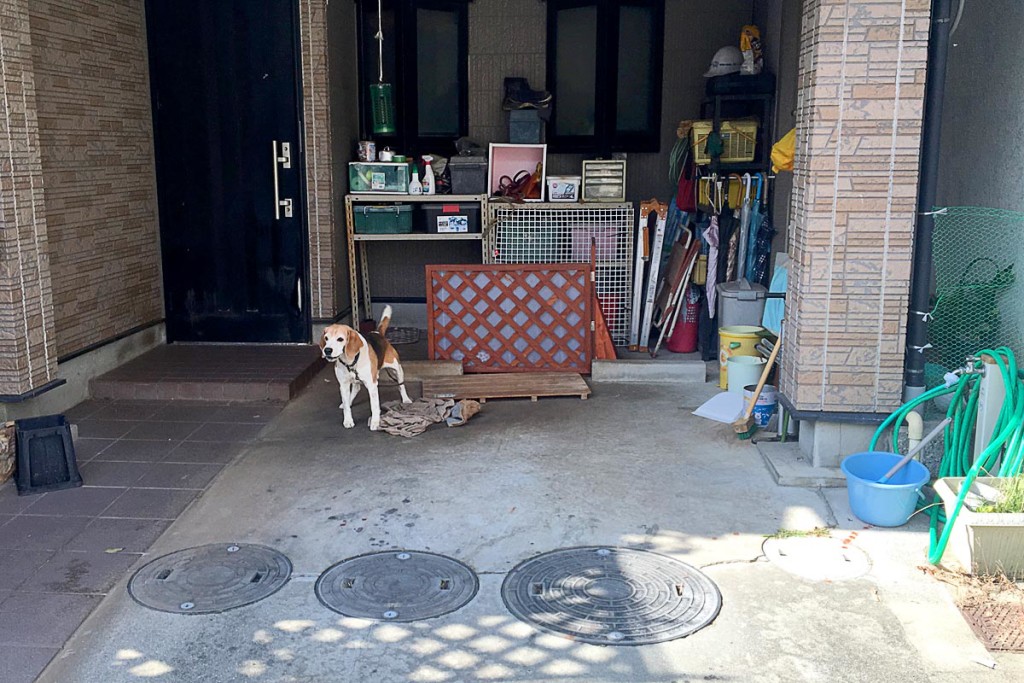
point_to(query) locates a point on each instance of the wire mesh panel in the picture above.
(563, 233)
(517, 318)
(979, 298)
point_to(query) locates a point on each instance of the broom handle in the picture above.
(764, 378)
(915, 450)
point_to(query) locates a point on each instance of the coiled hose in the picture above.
(957, 460)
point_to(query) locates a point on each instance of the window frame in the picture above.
(407, 138)
(606, 139)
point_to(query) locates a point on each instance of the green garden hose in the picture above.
(957, 460)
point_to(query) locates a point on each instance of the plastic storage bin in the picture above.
(452, 218)
(739, 141)
(604, 181)
(740, 303)
(524, 126)
(46, 455)
(382, 220)
(563, 188)
(378, 177)
(469, 175)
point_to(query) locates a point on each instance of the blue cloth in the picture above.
(775, 309)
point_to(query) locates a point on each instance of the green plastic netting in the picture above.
(978, 301)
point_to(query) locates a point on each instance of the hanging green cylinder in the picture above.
(383, 102)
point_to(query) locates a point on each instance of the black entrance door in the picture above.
(226, 110)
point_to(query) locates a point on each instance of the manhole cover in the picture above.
(210, 578)
(817, 559)
(397, 586)
(998, 623)
(611, 596)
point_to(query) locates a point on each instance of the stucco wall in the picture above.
(982, 160)
(779, 21)
(96, 145)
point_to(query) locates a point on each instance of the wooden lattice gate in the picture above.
(511, 318)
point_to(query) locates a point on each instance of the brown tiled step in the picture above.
(212, 372)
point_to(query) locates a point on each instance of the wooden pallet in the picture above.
(530, 385)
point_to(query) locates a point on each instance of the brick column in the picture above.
(859, 110)
(28, 359)
(320, 209)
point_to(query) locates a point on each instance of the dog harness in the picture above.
(375, 340)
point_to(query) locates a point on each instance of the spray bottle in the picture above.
(428, 176)
(415, 187)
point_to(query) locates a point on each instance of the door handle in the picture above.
(298, 295)
(285, 161)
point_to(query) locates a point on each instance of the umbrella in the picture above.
(741, 255)
(711, 237)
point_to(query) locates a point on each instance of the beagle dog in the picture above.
(358, 361)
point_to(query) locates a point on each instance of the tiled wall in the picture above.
(859, 108)
(28, 356)
(508, 38)
(324, 241)
(96, 143)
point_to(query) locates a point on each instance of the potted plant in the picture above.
(988, 533)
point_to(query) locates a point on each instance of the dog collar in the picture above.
(351, 366)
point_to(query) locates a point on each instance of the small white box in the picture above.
(563, 188)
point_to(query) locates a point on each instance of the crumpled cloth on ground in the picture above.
(410, 419)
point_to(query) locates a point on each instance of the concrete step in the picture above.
(790, 467)
(649, 371)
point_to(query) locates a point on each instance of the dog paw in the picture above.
(349, 423)
(374, 425)
(406, 400)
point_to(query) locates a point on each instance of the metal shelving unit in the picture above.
(358, 243)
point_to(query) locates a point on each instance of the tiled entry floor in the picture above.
(142, 463)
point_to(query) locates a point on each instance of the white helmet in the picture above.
(727, 60)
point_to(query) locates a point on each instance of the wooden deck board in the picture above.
(531, 385)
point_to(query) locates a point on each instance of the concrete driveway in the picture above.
(629, 467)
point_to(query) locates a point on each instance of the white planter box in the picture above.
(983, 542)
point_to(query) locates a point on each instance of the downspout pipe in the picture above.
(931, 137)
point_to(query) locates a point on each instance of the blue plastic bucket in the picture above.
(888, 504)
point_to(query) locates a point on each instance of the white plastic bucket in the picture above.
(743, 370)
(767, 403)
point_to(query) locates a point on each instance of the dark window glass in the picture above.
(425, 61)
(604, 69)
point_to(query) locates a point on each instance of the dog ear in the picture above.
(352, 344)
(323, 341)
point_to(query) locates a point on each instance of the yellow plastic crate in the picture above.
(739, 141)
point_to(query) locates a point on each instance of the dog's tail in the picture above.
(385, 320)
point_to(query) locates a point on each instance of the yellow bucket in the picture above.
(736, 340)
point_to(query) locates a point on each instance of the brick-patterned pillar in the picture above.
(859, 110)
(320, 210)
(28, 359)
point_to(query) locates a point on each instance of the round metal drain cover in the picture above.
(817, 559)
(210, 578)
(611, 596)
(397, 586)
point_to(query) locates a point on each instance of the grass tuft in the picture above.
(1011, 500)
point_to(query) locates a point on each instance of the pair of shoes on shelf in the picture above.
(519, 95)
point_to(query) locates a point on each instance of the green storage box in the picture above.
(388, 219)
(378, 177)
